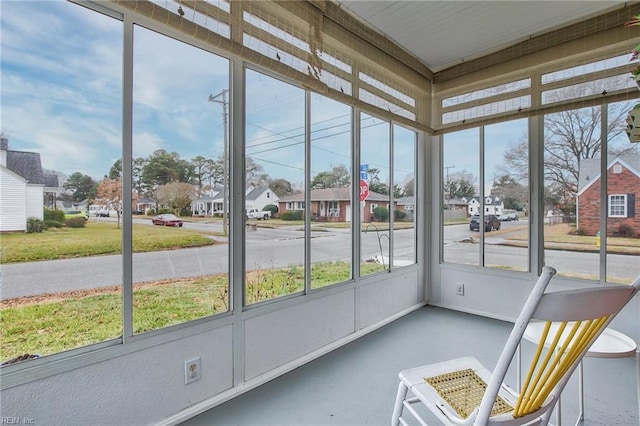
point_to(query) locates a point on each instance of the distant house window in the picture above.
(618, 205)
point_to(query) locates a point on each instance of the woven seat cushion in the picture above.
(463, 391)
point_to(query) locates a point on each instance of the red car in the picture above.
(167, 220)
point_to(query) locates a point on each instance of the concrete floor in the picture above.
(356, 384)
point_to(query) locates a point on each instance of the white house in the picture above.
(213, 201)
(492, 205)
(22, 187)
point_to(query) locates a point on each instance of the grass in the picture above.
(49, 324)
(560, 237)
(97, 238)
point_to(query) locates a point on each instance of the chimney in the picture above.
(4, 147)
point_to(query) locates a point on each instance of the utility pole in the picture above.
(447, 182)
(225, 160)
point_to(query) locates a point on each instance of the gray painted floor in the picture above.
(356, 384)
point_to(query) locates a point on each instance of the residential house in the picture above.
(212, 202)
(623, 188)
(24, 187)
(492, 205)
(333, 204)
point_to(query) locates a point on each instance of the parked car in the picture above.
(167, 219)
(76, 213)
(102, 213)
(508, 217)
(491, 223)
(258, 214)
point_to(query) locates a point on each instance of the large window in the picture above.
(375, 202)
(404, 192)
(274, 167)
(330, 192)
(180, 182)
(61, 133)
(580, 220)
(491, 229)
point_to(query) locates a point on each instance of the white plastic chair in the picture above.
(464, 392)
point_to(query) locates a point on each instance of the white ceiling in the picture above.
(446, 33)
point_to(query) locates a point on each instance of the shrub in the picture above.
(151, 212)
(52, 224)
(50, 214)
(75, 222)
(581, 232)
(271, 208)
(292, 215)
(625, 231)
(381, 214)
(399, 214)
(165, 211)
(34, 225)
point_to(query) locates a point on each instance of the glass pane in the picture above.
(506, 186)
(180, 265)
(461, 169)
(331, 242)
(61, 131)
(375, 198)
(275, 158)
(623, 196)
(404, 188)
(568, 235)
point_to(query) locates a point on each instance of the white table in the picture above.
(610, 344)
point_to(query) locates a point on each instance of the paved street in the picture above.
(284, 247)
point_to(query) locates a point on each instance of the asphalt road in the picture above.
(283, 247)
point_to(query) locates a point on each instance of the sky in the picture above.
(62, 97)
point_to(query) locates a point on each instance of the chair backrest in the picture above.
(579, 317)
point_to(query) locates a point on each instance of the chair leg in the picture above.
(397, 409)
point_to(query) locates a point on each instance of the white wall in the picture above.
(147, 386)
(13, 190)
(35, 201)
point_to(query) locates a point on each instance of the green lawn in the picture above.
(98, 238)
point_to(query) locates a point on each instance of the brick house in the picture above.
(333, 204)
(623, 203)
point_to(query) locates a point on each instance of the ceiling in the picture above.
(446, 33)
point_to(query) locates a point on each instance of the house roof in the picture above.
(590, 169)
(27, 165)
(488, 201)
(257, 192)
(333, 194)
(409, 201)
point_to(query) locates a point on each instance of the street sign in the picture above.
(364, 167)
(364, 175)
(364, 190)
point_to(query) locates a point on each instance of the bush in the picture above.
(381, 214)
(292, 215)
(165, 211)
(50, 214)
(625, 231)
(581, 232)
(399, 214)
(52, 224)
(34, 225)
(271, 208)
(151, 212)
(75, 222)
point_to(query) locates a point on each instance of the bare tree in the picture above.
(176, 195)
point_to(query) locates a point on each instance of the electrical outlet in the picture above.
(460, 289)
(191, 370)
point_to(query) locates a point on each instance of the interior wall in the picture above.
(147, 386)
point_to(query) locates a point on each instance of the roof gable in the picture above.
(27, 165)
(589, 172)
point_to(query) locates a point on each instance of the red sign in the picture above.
(364, 190)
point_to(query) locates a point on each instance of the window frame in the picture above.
(611, 205)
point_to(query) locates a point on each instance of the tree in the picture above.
(163, 167)
(253, 175)
(459, 185)
(409, 188)
(569, 137)
(281, 187)
(375, 184)
(514, 195)
(109, 193)
(176, 195)
(80, 187)
(337, 177)
(204, 170)
(116, 170)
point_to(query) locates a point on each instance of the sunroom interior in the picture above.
(374, 128)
